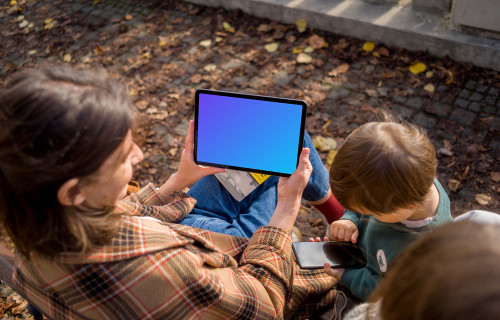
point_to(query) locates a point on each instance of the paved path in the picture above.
(161, 49)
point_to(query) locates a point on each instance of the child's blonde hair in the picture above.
(382, 167)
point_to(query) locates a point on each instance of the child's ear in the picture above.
(70, 194)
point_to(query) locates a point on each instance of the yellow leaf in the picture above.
(23, 24)
(326, 45)
(330, 157)
(206, 43)
(376, 54)
(482, 199)
(417, 67)
(324, 143)
(129, 17)
(228, 27)
(271, 47)
(96, 2)
(218, 39)
(296, 50)
(13, 2)
(210, 67)
(162, 43)
(67, 57)
(368, 46)
(429, 74)
(308, 49)
(304, 58)
(429, 88)
(301, 25)
(31, 52)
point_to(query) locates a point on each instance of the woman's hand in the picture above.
(290, 194)
(189, 172)
(337, 272)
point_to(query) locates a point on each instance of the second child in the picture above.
(384, 175)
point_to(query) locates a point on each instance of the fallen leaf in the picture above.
(308, 49)
(206, 43)
(271, 47)
(17, 309)
(495, 176)
(368, 46)
(453, 185)
(324, 143)
(173, 151)
(376, 54)
(263, 28)
(316, 42)
(67, 57)
(342, 68)
(49, 23)
(446, 149)
(13, 2)
(23, 24)
(31, 52)
(331, 156)
(210, 67)
(218, 39)
(99, 50)
(304, 58)
(228, 27)
(297, 50)
(417, 67)
(96, 1)
(383, 51)
(301, 25)
(429, 88)
(482, 199)
(429, 74)
(129, 17)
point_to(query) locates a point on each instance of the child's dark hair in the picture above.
(383, 166)
(56, 124)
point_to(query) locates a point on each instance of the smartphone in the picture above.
(248, 132)
(340, 254)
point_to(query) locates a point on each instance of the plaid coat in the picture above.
(155, 269)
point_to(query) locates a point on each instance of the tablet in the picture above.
(248, 132)
(340, 254)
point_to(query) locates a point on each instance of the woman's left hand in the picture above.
(189, 172)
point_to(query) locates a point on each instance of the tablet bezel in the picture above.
(251, 97)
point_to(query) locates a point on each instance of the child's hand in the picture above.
(344, 230)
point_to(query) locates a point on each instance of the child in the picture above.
(383, 175)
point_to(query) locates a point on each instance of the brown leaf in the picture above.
(20, 307)
(383, 51)
(482, 199)
(453, 185)
(339, 70)
(316, 42)
(495, 176)
(264, 28)
(129, 17)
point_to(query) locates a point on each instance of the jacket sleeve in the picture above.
(147, 202)
(360, 281)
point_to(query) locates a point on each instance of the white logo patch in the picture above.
(382, 260)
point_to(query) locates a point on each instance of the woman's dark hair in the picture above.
(56, 124)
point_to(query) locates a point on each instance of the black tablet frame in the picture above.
(252, 97)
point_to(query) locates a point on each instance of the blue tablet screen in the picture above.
(248, 133)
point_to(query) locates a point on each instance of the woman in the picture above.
(66, 156)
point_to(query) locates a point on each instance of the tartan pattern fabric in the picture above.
(157, 269)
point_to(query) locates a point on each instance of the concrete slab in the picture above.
(393, 25)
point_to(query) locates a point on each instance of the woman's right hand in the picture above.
(290, 194)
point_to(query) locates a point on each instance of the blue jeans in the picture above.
(216, 210)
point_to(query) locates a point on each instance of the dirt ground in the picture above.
(165, 50)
